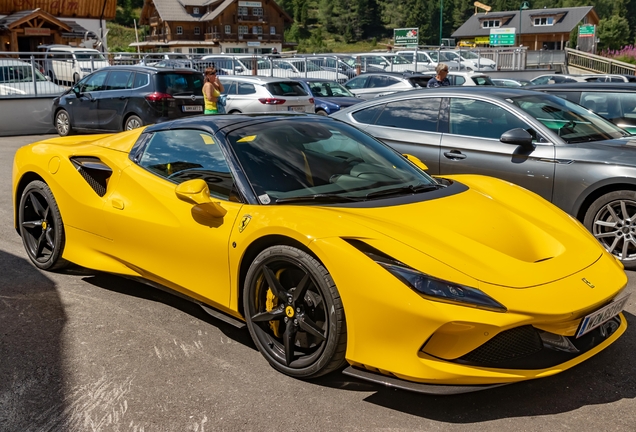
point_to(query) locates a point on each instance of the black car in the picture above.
(614, 101)
(119, 98)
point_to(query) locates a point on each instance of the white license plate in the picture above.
(296, 108)
(190, 108)
(601, 316)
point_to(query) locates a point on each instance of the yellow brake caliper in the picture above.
(271, 303)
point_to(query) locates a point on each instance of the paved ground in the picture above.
(91, 352)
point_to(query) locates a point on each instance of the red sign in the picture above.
(37, 31)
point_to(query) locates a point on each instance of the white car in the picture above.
(259, 94)
(68, 64)
(391, 62)
(471, 60)
(17, 79)
(430, 59)
(235, 64)
(303, 68)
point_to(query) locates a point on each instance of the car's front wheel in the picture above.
(322, 112)
(294, 313)
(63, 123)
(133, 122)
(612, 220)
(41, 226)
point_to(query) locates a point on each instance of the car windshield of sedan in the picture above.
(310, 161)
(573, 123)
(328, 89)
(398, 59)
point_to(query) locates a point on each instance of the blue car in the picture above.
(329, 96)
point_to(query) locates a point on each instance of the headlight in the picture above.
(440, 290)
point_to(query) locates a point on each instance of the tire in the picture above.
(63, 123)
(314, 323)
(76, 78)
(610, 220)
(234, 112)
(41, 227)
(133, 122)
(321, 112)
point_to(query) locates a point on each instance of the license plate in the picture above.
(190, 108)
(296, 108)
(601, 316)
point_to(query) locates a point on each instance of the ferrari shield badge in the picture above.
(244, 222)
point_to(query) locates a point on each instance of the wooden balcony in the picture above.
(154, 21)
(233, 37)
(252, 18)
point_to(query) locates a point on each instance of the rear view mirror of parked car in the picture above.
(517, 136)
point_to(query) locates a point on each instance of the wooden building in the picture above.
(26, 24)
(213, 26)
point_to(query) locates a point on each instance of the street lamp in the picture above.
(441, 19)
(524, 5)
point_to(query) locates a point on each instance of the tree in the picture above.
(613, 32)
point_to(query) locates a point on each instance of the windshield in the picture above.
(86, 56)
(304, 160)
(248, 63)
(400, 60)
(311, 67)
(9, 74)
(328, 89)
(349, 61)
(572, 122)
(469, 55)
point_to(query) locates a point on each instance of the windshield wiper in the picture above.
(402, 190)
(321, 197)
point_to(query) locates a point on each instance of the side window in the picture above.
(601, 103)
(481, 119)
(118, 80)
(357, 83)
(381, 81)
(414, 114)
(459, 80)
(230, 88)
(95, 82)
(628, 104)
(182, 155)
(246, 88)
(368, 115)
(141, 79)
(541, 80)
(571, 96)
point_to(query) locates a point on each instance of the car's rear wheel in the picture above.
(321, 112)
(294, 313)
(63, 123)
(76, 78)
(612, 220)
(41, 226)
(234, 112)
(133, 122)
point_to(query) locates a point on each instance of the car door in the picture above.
(113, 100)
(472, 146)
(84, 111)
(410, 126)
(164, 238)
(356, 85)
(231, 103)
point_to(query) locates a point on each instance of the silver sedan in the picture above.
(567, 154)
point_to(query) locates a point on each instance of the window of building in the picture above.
(272, 30)
(257, 11)
(242, 10)
(491, 23)
(544, 21)
(195, 11)
(257, 30)
(197, 30)
(242, 29)
(228, 29)
(179, 30)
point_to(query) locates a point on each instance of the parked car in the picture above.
(615, 78)
(303, 68)
(462, 78)
(126, 97)
(374, 84)
(336, 63)
(17, 79)
(557, 79)
(614, 101)
(430, 59)
(474, 60)
(334, 250)
(329, 96)
(258, 94)
(66, 64)
(153, 58)
(509, 82)
(572, 157)
(390, 62)
(226, 64)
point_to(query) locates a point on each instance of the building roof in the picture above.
(174, 10)
(566, 19)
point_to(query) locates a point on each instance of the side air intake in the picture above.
(95, 172)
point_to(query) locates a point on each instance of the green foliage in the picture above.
(612, 32)
(119, 37)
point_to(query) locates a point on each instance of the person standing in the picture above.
(212, 89)
(439, 80)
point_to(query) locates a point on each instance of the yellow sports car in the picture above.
(333, 248)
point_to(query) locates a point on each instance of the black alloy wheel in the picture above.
(294, 313)
(41, 226)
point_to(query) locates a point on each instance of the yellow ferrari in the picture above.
(335, 250)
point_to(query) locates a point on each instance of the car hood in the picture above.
(495, 232)
(343, 102)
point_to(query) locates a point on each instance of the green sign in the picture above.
(586, 30)
(406, 36)
(502, 36)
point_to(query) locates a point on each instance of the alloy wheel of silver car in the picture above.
(63, 123)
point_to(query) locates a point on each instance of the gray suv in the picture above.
(570, 156)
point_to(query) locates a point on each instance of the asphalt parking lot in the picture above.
(86, 351)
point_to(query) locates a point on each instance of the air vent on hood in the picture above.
(95, 172)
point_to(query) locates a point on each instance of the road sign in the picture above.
(406, 36)
(587, 30)
(502, 36)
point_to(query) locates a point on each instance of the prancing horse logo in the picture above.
(588, 283)
(243, 224)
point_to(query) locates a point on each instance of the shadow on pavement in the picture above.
(32, 320)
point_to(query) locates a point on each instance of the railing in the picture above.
(596, 63)
(513, 58)
(252, 18)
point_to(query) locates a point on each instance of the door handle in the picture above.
(455, 155)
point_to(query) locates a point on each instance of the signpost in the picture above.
(406, 36)
(587, 30)
(502, 36)
(586, 40)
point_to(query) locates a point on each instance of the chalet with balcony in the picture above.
(213, 26)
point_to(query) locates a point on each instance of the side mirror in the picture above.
(197, 192)
(77, 91)
(416, 161)
(517, 136)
